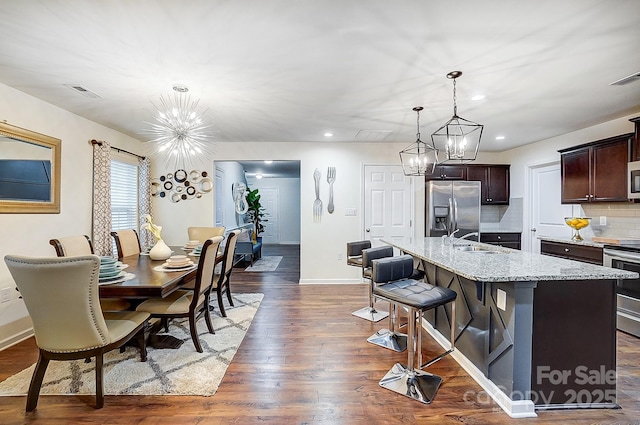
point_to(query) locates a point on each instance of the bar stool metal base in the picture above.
(416, 384)
(370, 314)
(392, 340)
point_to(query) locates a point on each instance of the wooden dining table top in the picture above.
(149, 283)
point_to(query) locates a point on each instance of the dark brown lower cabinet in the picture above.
(506, 239)
(584, 253)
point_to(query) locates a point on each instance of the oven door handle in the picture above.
(620, 256)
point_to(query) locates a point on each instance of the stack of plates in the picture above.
(192, 245)
(196, 251)
(178, 262)
(110, 269)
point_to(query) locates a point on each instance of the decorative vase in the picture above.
(160, 251)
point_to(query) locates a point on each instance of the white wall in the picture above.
(29, 234)
(289, 199)
(232, 173)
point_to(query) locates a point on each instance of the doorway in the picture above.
(546, 213)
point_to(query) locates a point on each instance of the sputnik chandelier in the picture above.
(459, 138)
(419, 158)
(180, 131)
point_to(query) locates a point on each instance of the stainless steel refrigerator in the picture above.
(452, 205)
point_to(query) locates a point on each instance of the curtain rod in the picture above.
(99, 143)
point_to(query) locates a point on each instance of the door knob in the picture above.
(533, 229)
(367, 230)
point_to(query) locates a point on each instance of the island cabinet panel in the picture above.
(573, 351)
(448, 172)
(584, 253)
(494, 183)
(596, 172)
(506, 239)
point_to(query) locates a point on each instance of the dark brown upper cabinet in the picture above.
(597, 171)
(494, 181)
(448, 172)
(635, 150)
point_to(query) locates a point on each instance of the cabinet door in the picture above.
(448, 172)
(576, 176)
(609, 171)
(498, 177)
(480, 173)
(635, 152)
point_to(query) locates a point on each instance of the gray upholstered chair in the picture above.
(72, 246)
(368, 255)
(61, 296)
(185, 303)
(221, 280)
(203, 233)
(127, 242)
(391, 278)
(354, 252)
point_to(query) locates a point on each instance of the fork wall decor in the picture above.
(181, 186)
(317, 203)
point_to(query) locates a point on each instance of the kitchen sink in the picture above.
(477, 249)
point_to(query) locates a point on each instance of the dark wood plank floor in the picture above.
(305, 360)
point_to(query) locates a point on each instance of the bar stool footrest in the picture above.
(416, 384)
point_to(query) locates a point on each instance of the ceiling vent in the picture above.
(372, 135)
(83, 91)
(626, 80)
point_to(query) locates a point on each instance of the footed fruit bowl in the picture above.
(577, 223)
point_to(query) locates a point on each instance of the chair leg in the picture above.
(228, 290)
(221, 304)
(194, 332)
(142, 344)
(36, 382)
(207, 318)
(99, 383)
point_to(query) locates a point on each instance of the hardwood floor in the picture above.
(305, 360)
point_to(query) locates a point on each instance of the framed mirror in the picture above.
(29, 171)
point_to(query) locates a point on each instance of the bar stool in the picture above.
(392, 282)
(368, 255)
(354, 252)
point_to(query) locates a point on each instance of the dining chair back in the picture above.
(203, 233)
(186, 303)
(72, 246)
(61, 296)
(127, 242)
(221, 281)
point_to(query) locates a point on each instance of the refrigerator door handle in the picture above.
(450, 218)
(455, 214)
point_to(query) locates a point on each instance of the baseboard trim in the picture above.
(15, 339)
(513, 408)
(330, 281)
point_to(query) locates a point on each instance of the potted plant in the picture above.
(255, 212)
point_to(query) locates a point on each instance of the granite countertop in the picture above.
(509, 265)
(585, 242)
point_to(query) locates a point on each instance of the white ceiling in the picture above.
(283, 70)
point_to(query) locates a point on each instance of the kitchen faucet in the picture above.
(463, 237)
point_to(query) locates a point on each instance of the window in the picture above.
(124, 193)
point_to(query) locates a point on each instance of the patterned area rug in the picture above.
(181, 371)
(265, 264)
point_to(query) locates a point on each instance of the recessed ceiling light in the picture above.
(258, 176)
(268, 161)
(478, 97)
(499, 137)
(327, 134)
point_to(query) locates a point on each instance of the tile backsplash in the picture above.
(623, 219)
(506, 218)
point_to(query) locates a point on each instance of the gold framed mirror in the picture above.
(29, 171)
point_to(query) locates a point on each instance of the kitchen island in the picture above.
(536, 332)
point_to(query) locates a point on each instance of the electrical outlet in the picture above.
(5, 295)
(350, 212)
(501, 301)
(339, 256)
(603, 220)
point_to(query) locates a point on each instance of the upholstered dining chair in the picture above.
(221, 281)
(72, 246)
(192, 304)
(127, 242)
(203, 233)
(61, 296)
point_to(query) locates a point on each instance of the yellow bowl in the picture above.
(577, 222)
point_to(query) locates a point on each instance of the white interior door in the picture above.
(546, 212)
(388, 204)
(269, 198)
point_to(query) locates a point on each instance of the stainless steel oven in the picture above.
(628, 290)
